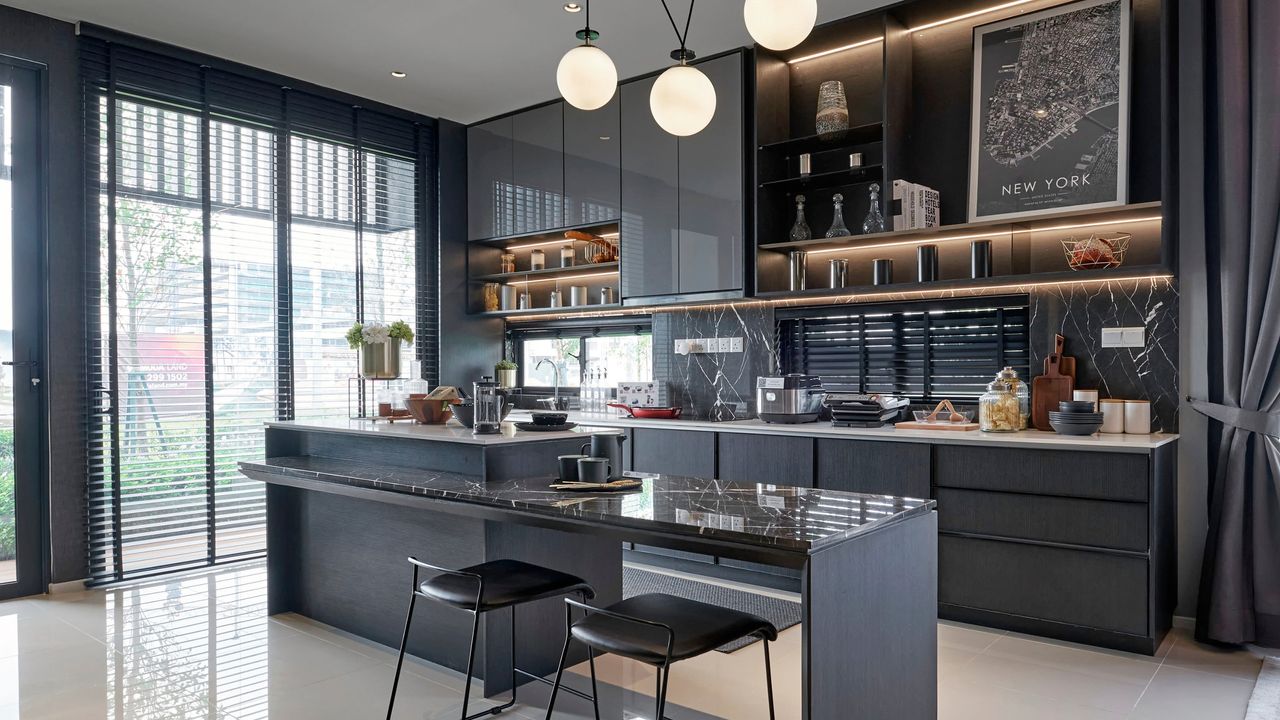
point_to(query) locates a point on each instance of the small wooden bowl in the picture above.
(429, 412)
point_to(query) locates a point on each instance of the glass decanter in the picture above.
(875, 221)
(838, 228)
(800, 230)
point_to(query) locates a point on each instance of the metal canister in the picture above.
(882, 271)
(508, 296)
(525, 302)
(798, 259)
(578, 295)
(557, 299)
(980, 259)
(838, 273)
(608, 296)
(806, 164)
(927, 263)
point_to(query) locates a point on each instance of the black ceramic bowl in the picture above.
(1074, 428)
(465, 413)
(549, 418)
(1073, 417)
(1085, 406)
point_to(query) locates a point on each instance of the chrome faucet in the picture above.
(555, 391)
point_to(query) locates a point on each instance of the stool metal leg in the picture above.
(595, 692)
(555, 687)
(768, 676)
(664, 678)
(404, 640)
(471, 658)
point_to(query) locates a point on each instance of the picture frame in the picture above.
(1049, 125)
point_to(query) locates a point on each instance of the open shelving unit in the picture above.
(484, 265)
(907, 74)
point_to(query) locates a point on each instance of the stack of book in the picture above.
(915, 206)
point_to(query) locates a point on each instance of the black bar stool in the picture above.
(484, 588)
(659, 630)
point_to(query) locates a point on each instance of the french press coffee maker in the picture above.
(488, 401)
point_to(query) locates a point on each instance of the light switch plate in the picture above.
(1121, 337)
(735, 345)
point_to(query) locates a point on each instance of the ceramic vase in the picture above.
(833, 111)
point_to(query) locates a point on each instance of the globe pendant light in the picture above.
(682, 100)
(780, 24)
(586, 76)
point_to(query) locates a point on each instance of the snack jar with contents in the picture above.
(999, 410)
(537, 260)
(1020, 389)
(508, 264)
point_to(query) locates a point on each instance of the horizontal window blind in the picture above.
(922, 351)
(241, 227)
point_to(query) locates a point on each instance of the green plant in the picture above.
(360, 333)
(505, 365)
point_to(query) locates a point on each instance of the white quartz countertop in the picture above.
(594, 422)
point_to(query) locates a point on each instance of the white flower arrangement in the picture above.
(375, 333)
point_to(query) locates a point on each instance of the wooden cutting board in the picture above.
(912, 425)
(1048, 390)
(1067, 365)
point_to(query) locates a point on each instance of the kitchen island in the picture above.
(345, 508)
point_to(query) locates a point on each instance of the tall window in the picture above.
(236, 245)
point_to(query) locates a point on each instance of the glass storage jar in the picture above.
(998, 409)
(1019, 388)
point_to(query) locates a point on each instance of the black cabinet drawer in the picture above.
(1100, 475)
(1092, 589)
(675, 452)
(868, 466)
(769, 459)
(1074, 521)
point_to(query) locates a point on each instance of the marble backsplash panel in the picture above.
(722, 386)
(714, 386)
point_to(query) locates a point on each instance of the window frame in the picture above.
(517, 335)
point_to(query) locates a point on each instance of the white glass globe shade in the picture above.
(780, 24)
(586, 77)
(683, 100)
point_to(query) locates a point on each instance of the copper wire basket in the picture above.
(1099, 251)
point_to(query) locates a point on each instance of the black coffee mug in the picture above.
(569, 467)
(593, 470)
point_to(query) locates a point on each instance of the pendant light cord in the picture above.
(675, 28)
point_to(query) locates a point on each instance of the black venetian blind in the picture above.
(240, 227)
(925, 351)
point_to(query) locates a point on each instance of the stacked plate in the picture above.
(1076, 417)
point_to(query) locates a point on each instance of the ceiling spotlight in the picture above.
(572, 7)
(586, 76)
(399, 74)
(780, 24)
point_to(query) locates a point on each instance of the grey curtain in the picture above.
(1238, 86)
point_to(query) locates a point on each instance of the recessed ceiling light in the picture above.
(572, 7)
(399, 74)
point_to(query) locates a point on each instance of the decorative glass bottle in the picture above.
(874, 223)
(838, 228)
(800, 230)
(833, 111)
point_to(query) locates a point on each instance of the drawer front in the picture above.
(674, 452)
(768, 459)
(1091, 589)
(870, 466)
(1103, 476)
(1075, 521)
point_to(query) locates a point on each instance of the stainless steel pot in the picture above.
(789, 398)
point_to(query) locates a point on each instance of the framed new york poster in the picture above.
(1050, 115)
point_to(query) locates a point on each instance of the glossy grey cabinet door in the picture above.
(650, 200)
(592, 163)
(711, 188)
(489, 176)
(538, 162)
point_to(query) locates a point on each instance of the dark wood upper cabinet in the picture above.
(538, 168)
(592, 163)
(489, 173)
(711, 188)
(650, 198)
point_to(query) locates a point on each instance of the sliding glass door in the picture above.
(21, 223)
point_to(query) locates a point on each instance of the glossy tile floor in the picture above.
(202, 646)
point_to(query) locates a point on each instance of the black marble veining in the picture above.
(774, 516)
(714, 386)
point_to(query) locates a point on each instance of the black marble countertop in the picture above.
(772, 516)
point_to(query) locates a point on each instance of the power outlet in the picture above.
(1124, 337)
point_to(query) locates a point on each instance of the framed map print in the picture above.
(1050, 125)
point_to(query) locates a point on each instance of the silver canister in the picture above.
(806, 164)
(855, 160)
(508, 297)
(556, 299)
(798, 259)
(526, 301)
(578, 295)
(838, 273)
(608, 296)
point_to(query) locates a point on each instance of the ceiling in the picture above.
(466, 59)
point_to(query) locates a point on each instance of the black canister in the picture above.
(927, 263)
(882, 272)
(980, 259)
